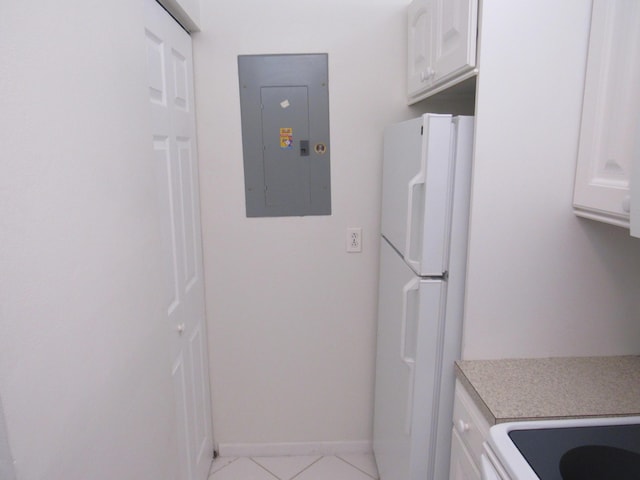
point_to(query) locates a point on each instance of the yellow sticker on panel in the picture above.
(286, 138)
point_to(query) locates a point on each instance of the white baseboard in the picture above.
(289, 449)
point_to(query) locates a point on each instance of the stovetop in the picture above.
(567, 453)
(573, 449)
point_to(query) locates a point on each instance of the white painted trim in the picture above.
(289, 449)
(605, 217)
(180, 14)
(444, 86)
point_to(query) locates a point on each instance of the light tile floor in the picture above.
(339, 467)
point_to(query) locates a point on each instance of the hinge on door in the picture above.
(215, 453)
(422, 130)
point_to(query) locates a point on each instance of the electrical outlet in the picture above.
(354, 240)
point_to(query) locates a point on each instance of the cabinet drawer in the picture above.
(469, 423)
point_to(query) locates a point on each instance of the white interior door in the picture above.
(170, 67)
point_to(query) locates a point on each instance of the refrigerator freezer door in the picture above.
(410, 329)
(417, 185)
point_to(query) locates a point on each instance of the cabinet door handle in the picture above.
(408, 357)
(427, 74)
(417, 181)
(626, 204)
(462, 426)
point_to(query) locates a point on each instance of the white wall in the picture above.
(84, 375)
(541, 282)
(292, 316)
(7, 471)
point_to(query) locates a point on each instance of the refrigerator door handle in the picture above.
(413, 285)
(406, 357)
(418, 180)
(408, 416)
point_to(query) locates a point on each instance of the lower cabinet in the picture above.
(462, 465)
(470, 430)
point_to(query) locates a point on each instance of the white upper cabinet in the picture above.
(610, 114)
(635, 180)
(442, 45)
(421, 38)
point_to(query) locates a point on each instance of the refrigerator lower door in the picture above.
(408, 370)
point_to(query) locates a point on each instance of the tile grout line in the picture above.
(265, 468)
(356, 467)
(306, 468)
(211, 473)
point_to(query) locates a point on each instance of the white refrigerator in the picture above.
(425, 211)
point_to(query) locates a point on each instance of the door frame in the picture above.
(180, 15)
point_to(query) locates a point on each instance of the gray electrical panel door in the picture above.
(285, 134)
(284, 131)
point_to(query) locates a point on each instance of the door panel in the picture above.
(181, 77)
(197, 349)
(285, 123)
(190, 224)
(170, 74)
(410, 327)
(610, 121)
(420, 47)
(455, 45)
(393, 375)
(402, 162)
(417, 183)
(182, 415)
(164, 178)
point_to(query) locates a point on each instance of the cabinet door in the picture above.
(442, 45)
(462, 466)
(635, 180)
(421, 39)
(611, 112)
(455, 38)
